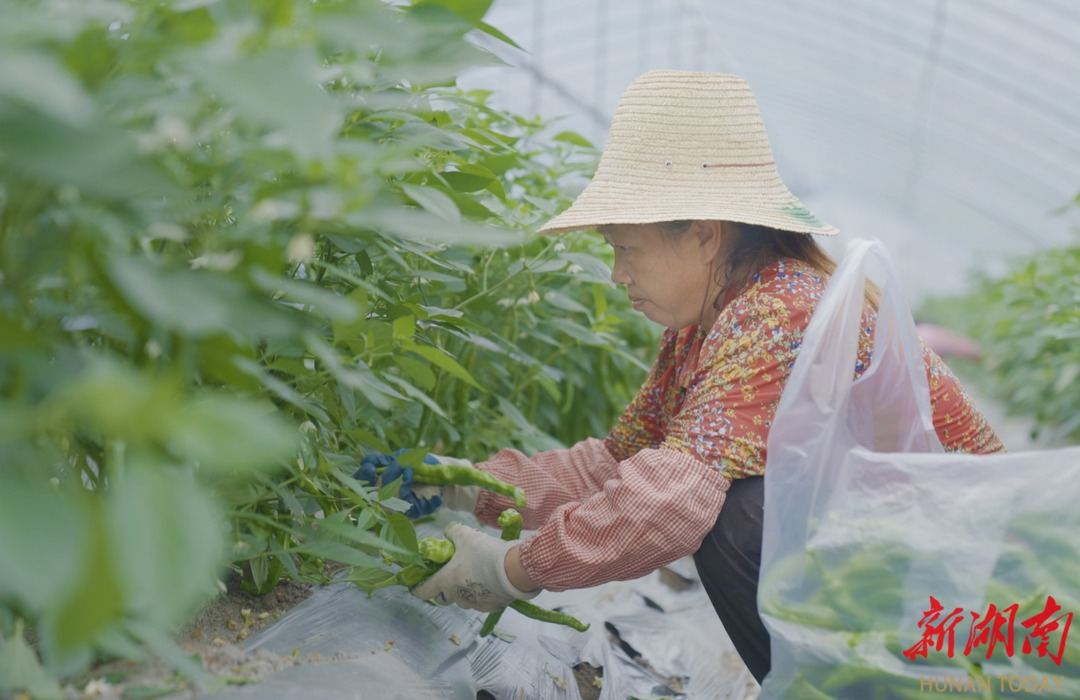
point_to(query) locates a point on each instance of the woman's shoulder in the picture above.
(787, 276)
(782, 284)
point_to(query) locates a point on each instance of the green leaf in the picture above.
(190, 22)
(413, 457)
(282, 390)
(357, 534)
(565, 303)
(395, 504)
(417, 372)
(279, 90)
(444, 361)
(578, 332)
(170, 562)
(335, 551)
(434, 201)
(94, 602)
(213, 303)
(390, 490)
(42, 540)
(95, 158)
(498, 34)
(400, 531)
(574, 138)
(593, 267)
(469, 178)
(323, 301)
(404, 327)
(369, 578)
(264, 572)
(230, 434)
(21, 671)
(412, 392)
(35, 78)
(470, 10)
(378, 392)
(422, 226)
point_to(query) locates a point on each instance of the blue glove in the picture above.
(419, 504)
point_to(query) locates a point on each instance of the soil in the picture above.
(216, 635)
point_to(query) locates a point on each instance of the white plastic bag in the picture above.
(870, 528)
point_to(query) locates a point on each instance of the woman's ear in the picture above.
(710, 238)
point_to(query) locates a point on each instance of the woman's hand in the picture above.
(378, 468)
(476, 577)
(423, 499)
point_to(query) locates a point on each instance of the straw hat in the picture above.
(687, 145)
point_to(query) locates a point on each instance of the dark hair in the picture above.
(752, 247)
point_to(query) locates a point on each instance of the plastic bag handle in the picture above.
(821, 384)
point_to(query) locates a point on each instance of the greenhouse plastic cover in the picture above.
(948, 130)
(650, 640)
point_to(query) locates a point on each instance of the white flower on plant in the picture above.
(574, 268)
(97, 688)
(273, 210)
(559, 247)
(167, 231)
(220, 262)
(533, 297)
(301, 248)
(171, 130)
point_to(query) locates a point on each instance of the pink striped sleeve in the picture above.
(658, 509)
(550, 479)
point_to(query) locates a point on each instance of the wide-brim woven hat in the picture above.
(687, 145)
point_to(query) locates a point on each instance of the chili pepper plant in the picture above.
(1027, 324)
(243, 243)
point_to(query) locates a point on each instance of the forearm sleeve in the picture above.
(549, 479)
(658, 509)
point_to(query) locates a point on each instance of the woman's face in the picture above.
(669, 278)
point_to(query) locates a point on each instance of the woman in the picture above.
(710, 243)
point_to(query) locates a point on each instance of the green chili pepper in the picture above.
(412, 575)
(511, 523)
(442, 474)
(544, 615)
(436, 549)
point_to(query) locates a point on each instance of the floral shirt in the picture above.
(714, 396)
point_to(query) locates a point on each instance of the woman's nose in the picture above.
(619, 274)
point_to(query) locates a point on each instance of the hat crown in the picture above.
(687, 145)
(683, 119)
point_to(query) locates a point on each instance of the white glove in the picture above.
(454, 497)
(475, 577)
